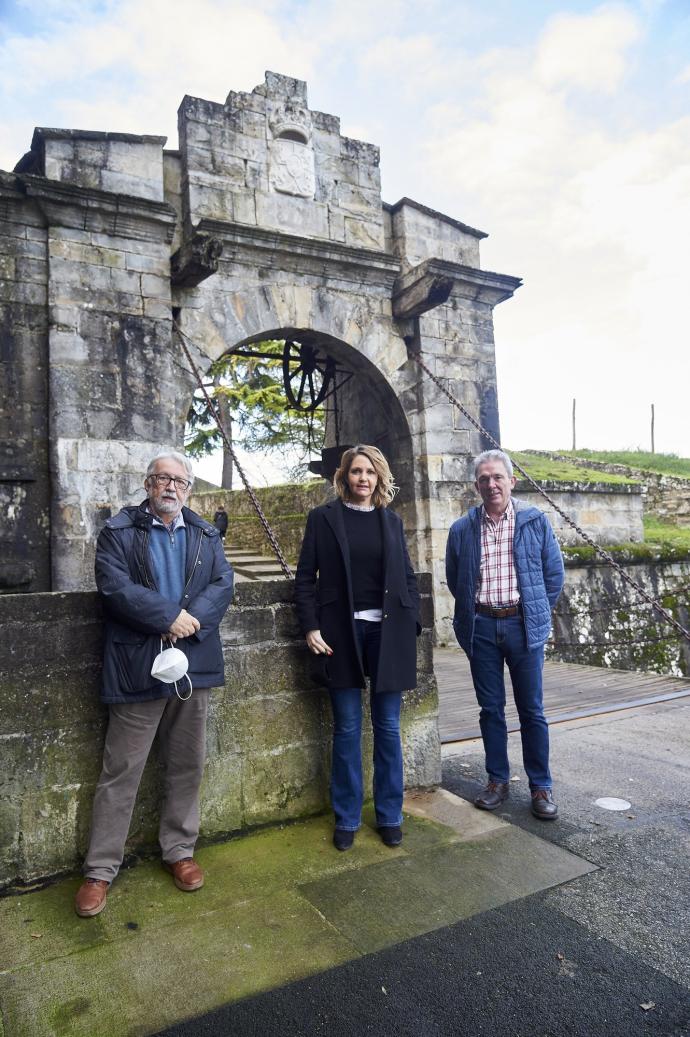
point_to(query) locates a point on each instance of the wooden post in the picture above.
(652, 428)
(574, 441)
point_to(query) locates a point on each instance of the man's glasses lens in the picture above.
(164, 480)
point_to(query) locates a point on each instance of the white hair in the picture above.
(171, 455)
(493, 455)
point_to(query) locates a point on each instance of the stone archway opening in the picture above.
(359, 403)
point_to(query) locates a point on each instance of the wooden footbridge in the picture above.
(571, 691)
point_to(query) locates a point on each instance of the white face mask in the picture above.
(169, 666)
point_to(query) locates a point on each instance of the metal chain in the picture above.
(566, 518)
(213, 411)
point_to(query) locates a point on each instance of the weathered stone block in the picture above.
(363, 234)
(294, 215)
(291, 785)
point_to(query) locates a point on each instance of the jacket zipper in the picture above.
(143, 561)
(192, 570)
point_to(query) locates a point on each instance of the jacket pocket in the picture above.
(328, 595)
(134, 657)
(406, 601)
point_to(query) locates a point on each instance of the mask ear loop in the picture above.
(182, 698)
(185, 698)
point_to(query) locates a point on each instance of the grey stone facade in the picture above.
(266, 222)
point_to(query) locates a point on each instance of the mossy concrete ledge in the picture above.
(268, 736)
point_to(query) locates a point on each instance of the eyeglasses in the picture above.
(165, 480)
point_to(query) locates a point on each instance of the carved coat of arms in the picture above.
(292, 168)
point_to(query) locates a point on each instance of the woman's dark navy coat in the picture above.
(136, 613)
(326, 603)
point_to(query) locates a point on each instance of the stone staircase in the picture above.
(248, 565)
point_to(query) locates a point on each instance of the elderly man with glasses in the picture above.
(164, 580)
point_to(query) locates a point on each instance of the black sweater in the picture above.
(364, 537)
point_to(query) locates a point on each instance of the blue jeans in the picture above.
(499, 641)
(347, 786)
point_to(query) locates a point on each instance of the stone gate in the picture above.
(266, 223)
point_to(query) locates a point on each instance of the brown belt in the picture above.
(499, 613)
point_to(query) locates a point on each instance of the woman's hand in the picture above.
(317, 645)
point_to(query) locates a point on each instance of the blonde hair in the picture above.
(385, 487)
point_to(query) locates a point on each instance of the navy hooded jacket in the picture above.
(136, 614)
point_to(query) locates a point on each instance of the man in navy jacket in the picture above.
(505, 571)
(163, 577)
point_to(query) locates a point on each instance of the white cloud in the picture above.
(587, 52)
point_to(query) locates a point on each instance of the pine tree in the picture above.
(250, 396)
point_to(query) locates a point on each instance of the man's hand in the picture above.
(184, 626)
(317, 645)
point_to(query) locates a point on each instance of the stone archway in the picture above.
(362, 408)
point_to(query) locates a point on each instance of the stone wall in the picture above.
(268, 737)
(601, 621)
(667, 497)
(24, 468)
(610, 513)
(286, 508)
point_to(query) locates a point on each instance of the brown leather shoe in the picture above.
(91, 897)
(492, 796)
(187, 875)
(543, 805)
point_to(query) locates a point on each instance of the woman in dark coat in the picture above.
(361, 618)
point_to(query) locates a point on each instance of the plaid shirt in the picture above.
(498, 586)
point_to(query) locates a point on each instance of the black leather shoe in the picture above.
(342, 839)
(543, 805)
(492, 796)
(391, 835)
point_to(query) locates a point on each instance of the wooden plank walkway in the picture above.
(570, 691)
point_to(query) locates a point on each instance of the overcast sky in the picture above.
(563, 130)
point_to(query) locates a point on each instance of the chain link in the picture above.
(213, 411)
(608, 558)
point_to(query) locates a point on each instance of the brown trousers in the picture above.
(181, 728)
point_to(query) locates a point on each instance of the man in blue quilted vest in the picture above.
(505, 571)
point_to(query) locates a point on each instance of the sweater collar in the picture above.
(177, 523)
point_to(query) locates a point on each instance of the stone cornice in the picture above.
(424, 287)
(289, 252)
(53, 133)
(104, 212)
(394, 207)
